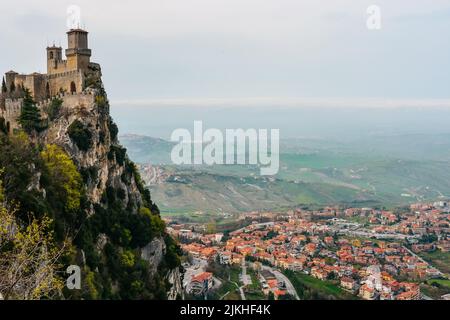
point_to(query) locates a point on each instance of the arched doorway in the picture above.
(73, 87)
(8, 127)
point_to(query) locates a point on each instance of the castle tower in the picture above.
(10, 78)
(54, 59)
(78, 54)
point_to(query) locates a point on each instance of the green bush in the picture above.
(30, 118)
(80, 135)
(113, 130)
(119, 153)
(54, 109)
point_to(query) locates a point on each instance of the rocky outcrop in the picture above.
(153, 253)
(176, 290)
(92, 111)
(102, 162)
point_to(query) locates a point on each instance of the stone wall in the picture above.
(13, 107)
(11, 112)
(34, 82)
(62, 82)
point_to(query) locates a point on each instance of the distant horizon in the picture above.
(286, 102)
(160, 120)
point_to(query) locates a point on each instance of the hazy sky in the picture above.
(245, 49)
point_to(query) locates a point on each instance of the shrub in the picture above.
(101, 102)
(54, 108)
(63, 173)
(30, 118)
(113, 130)
(80, 135)
(119, 153)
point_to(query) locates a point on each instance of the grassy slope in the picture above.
(325, 289)
(328, 174)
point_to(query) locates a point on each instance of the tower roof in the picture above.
(54, 47)
(76, 30)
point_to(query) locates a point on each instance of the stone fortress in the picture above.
(63, 78)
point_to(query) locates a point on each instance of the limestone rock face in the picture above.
(101, 165)
(176, 291)
(105, 170)
(154, 253)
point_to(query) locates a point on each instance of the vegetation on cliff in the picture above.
(48, 195)
(30, 118)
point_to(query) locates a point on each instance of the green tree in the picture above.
(80, 134)
(30, 118)
(54, 108)
(4, 89)
(211, 227)
(28, 258)
(64, 173)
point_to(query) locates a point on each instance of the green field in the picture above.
(436, 288)
(442, 282)
(310, 288)
(439, 259)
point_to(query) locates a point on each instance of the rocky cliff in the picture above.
(116, 233)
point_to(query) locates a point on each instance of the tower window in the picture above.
(51, 54)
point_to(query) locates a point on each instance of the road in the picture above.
(424, 261)
(256, 225)
(244, 277)
(241, 291)
(368, 234)
(281, 277)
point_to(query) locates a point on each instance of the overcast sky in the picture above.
(186, 50)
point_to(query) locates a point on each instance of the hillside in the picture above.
(203, 191)
(65, 172)
(312, 172)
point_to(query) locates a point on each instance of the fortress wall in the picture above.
(57, 66)
(82, 99)
(13, 107)
(11, 112)
(39, 83)
(62, 81)
(79, 100)
(9, 78)
(35, 82)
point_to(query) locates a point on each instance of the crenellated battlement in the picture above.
(64, 74)
(13, 107)
(66, 96)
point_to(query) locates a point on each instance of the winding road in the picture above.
(281, 277)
